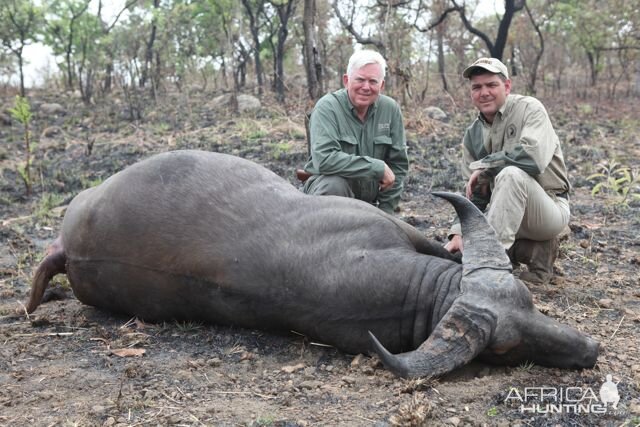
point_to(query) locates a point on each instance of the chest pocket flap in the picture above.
(382, 145)
(349, 144)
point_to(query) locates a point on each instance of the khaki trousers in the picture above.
(521, 209)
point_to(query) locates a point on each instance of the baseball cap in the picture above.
(490, 64)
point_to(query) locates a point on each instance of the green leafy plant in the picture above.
(90, 182)
(492, 412)
(618, 181)
(526, 366)
(188, 326)
(48, 201)
(22, 113)
(264, 421)
(280, 150)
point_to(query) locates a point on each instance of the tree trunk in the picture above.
(21, 67)
(255, 35)
(285, 10)
(148, 55)
(636, 86)
(441, 61)
(503, 29)
(533, 73)
(593, 67)
(69, 62)
(108, 77)
(495, 49)
(312, 63)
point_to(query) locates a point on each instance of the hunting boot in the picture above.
(538, 256)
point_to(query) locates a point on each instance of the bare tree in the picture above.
(348, 25)
(496, 48)
(438, 23)
(533, 69)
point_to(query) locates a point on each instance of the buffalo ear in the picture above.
(459, 337)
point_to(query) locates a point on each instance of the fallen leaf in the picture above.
(291, 369)
(129, 352)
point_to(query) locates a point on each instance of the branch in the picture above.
(437, 22)
(537, 28)
(115, 21)
(619, 48)
(394, 4)
(359, 38)
(473, 30)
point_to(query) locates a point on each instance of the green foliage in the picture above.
(48, 201)
(257, 134)
(617, 181)
(264, 421)
(20, 24)
(589, 27)
(250, 130)
(492, 412)
(90, 183)
(82, 40)
(22, 113)
(280, 150)
(585, 109)
(61, 33)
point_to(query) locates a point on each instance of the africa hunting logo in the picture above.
(576, 400)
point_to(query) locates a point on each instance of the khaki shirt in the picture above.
(521, 135)
(343, 145)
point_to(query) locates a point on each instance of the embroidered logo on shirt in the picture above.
(511, 131)
(384, 126)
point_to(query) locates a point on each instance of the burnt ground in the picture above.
(70, 364)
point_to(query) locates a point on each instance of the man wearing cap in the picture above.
(357, 140)
(513, 164)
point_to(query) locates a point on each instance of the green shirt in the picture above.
(343, 145)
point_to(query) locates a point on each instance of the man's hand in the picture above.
(455, 244)
(474, 180)
(388, 178)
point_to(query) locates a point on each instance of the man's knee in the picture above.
(328, 185)
(512, 176)
(511, 173)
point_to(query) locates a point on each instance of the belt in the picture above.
(563, 195)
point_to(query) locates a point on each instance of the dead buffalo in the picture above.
(212, 237)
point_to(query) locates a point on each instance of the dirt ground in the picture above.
(71, 364)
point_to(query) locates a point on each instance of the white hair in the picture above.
(363, 57)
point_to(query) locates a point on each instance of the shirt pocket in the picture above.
(348, 144)
(381, 146)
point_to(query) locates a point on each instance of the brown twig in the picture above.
(618, 327)
(24, 309)
(264, 396)
(46, 334)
